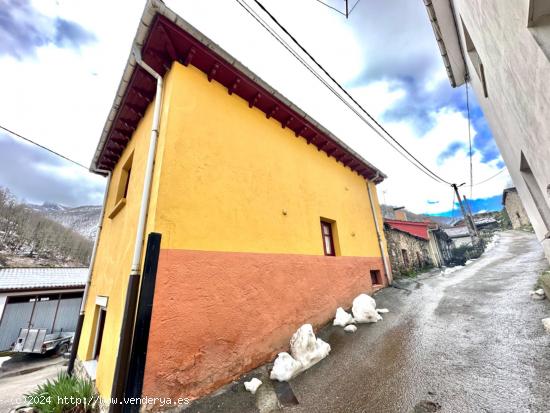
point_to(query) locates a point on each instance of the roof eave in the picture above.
(444, 24)
(154, 7)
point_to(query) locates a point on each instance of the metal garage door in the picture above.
(52, 312)
(16, 315)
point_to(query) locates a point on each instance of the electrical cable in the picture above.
(419, 165)
(491, 177)
(469, 140)
(330, 7)
(42, 147)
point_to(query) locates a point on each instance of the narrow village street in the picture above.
(470, 341)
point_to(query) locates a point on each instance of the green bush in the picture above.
(464, 253)
(64, 394)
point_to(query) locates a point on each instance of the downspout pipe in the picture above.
(78, 332)
(378, 233)
(128, 317)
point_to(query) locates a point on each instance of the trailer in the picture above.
(38, 341)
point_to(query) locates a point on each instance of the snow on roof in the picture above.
(457, 232)
(42, 278)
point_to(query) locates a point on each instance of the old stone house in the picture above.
(514, 208)
(409, 246)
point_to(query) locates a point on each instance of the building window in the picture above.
(536, 192)
(122, 187)
(475, 59)
(375, 277)
(328, 239)
(100, 326)
(405, 258)
(538, 22)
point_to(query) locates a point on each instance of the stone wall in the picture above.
(407, 253)
(516, 212)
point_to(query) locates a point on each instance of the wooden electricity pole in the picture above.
(468, 219)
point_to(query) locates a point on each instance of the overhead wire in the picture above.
(491, 177)
(42, 146)
(386, 136)
(469, 139)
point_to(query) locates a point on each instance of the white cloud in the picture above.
(62, 96)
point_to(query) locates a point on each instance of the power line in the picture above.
(42, 147)
(491, 177)
(469, 139)
(419, 165)
(331, 7)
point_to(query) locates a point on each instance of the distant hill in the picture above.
(44, 235)
(389, 213)
(82, 219)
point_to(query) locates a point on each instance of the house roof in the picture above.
(12, 279)
(416, 229)
(444, 23)
(506, 192)
(457, 232)
(164, 37)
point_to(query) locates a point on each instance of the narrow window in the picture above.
(405, 258)
(536, 193)
(475, 59)
(123, 187)
(328, 240)
(375, 277)
(124, 182)
(100, 326)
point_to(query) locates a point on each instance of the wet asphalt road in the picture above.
(470, 341)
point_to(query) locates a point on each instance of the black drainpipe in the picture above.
(138, 356)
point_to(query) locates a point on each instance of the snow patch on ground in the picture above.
(546, 324)
(450, 270)
(364, 309)
(350, 329)
(305, 351)
(342, 318)
(538, 294)
(252, 385)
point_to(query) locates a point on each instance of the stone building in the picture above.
(408, 246)
(502, 49)
(514, 208)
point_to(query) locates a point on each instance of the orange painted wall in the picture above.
(217, 315)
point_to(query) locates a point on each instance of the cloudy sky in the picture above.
(61, 61)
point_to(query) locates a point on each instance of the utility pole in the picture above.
(470, 214)
(467, 217)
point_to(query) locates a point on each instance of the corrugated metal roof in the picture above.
(41, 278)
(417, 229)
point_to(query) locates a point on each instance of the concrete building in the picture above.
(503, 49)
(514, 208)
(257, 221)
(47, 298)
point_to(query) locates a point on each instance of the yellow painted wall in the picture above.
(223, 176)
(229, 173)
(116, 247)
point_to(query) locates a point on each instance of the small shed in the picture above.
(46, 298)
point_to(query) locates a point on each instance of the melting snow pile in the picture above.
(546, 324)
(364, 309)
(252, 385)
(305, 351)
(491, 243)
(342, 318)
(350, 329)
(448, 271)
(538, 294)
